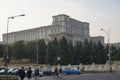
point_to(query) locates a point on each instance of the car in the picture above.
(3, 70)
(33, 71)
(48, 71)
(70, 70)
(12, 71)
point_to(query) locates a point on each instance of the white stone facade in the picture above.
(117, 45)
(62, 25)
(96, 39)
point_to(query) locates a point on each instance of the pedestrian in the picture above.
(36, 74)
(29, 74)
(56, 71)
(21, 73)
(60, 72)
(78, 68)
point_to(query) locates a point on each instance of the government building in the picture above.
(62, 25)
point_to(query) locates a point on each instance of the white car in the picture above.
(12, 71)
(3, 70)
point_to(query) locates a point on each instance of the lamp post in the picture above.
(109, 51)
(37, 50)
(6, 54)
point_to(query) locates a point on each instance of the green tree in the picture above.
(64, 51)
(86, 52)
(71, 52)
(2, 50)
(116, 57)
(19, 49)
(52, 52)
(78, 53)
(101, 55)
(93, 52)
(30, 51)
(41, 51)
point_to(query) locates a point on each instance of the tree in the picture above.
(101, 55)
(113, 51)
(86, 52)
(2, 50)
(30, 50)
(41, 51)
(52, 52)
(116, 57)
(71, 52)
(19, 50)
(50, 57)
(78, 56)
(64, 53)
(93, 52)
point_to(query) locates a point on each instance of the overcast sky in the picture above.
(99, 13)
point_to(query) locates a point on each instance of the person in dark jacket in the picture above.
(36, 74)
(21, 73)
(56, 71)
(60, 71)
(29, 74)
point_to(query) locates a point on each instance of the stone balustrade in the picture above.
(85, 68)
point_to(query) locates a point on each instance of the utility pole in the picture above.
(109, 51)
(6, 53)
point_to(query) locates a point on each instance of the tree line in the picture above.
(86, 52)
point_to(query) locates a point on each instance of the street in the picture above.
(90, 76)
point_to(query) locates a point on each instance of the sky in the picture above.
(99, 13)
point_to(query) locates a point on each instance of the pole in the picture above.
(109, 51)
(6, 54)
(37, 50)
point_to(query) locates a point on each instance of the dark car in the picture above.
(49, 71)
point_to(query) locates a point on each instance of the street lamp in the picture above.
(109, 52)
(6, 54)
(37, 50)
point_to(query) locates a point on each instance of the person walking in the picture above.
(60, 72)
(56, 71)
(21, 73)
(36, 74)
(29, 74)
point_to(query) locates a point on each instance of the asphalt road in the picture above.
(90, 76)
(97, 76)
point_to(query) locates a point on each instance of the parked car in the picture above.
(70, 70)
(48, 71)
(3, 70)
(33, 72)
(12, 71)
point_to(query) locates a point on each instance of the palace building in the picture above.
(62, 25)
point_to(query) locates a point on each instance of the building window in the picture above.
(58, 29)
